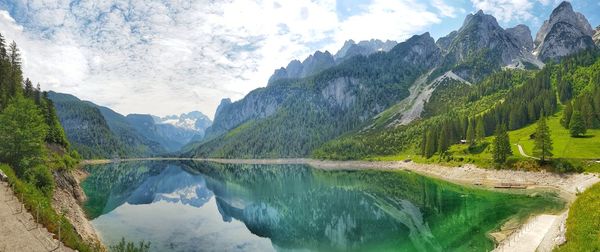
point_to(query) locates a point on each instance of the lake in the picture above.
(203, 206)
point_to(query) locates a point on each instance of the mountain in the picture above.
(597, 36)
(315, 63)
(296, 115)
(98, 132)
(364, 47)
(320, 61)
(445, 42)
(482, 40)
(387, 98)
(172, 132)
(522, 35)
(194, 121)
(564, 33)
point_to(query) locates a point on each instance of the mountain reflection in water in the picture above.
(202, 206)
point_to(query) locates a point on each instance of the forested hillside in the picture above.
(420, 96)
(99, 132)
(292, 117)
(512, 99)
(33, 146)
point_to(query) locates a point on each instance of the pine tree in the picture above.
(543, 143)
(566, 118)
(14, 85)
(28, 88)
(471, 132)
(501, 149)
(430, 146)
(577, 126)
(480, 130)
(443, 139)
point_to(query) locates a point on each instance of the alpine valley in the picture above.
(484, 139)
(375, 99)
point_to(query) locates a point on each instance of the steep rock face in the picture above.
(339, 92)
(259, 103)
(597, 36)
(316, 63)
(522, 35)
(313, 64)
(320, 61)
(564, 33)
(365, 47)
(224, 103)
(445, 42)
(482, 32)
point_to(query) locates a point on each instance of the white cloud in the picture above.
(446, 10)
(166, 57)
(506, 10)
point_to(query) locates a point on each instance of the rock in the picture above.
(445, 42)
(365, 47)
(596, 37)
(522, 35)
(481, 33)
(313, 64)
(564, 33)
(316, 63)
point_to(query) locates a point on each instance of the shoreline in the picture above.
(567, 187)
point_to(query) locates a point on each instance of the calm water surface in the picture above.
(202, 206)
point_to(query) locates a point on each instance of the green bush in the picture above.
(41, 177)
(560, 165)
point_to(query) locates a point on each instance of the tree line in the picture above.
(29, 126)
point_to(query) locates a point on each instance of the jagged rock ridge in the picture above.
(564, 33)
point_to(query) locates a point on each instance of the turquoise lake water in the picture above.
(202, 206)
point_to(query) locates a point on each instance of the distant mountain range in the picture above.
(375, 84)
(99, 132)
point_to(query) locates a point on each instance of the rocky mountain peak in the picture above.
(224, 103)
(445, 42)
(522, 35)
(479, 32)
(364, 47)
(564, 33)
(313, 64)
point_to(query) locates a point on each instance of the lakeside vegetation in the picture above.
(34, 147)
(583, 223)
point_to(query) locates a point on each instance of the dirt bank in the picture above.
(567, 184)
(67, 198)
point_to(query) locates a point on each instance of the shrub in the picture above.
(560, 165)
(41, 177)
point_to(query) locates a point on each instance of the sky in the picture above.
(167, 57)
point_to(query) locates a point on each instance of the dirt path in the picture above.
(18, 229)
(530, 235)
(522, 152)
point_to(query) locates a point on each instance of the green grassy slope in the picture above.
(583, 223)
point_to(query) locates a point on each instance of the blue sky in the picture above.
(174, 56)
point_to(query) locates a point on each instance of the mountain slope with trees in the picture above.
(489, 74)
(290, 118)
